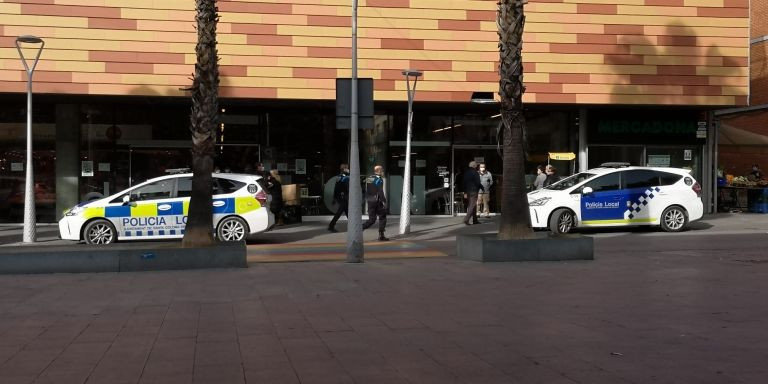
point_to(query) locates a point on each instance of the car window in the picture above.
(609, 182)
(667, 178)
(222, 186)
(158, 190)
(570, 181)
(184, 187)
(641, 178)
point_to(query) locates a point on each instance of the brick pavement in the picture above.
(642, 312)
(652, 308)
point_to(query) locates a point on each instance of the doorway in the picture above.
(461, 156)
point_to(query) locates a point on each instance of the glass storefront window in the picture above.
(13, 155)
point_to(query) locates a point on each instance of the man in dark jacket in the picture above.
(341, 196)
(472, 186)
(377, 202)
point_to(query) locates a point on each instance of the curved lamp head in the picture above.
(412, 72)
(29, 39)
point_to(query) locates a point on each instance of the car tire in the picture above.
(99, 232)
(561, 221)
(232, 229)
(674, 219)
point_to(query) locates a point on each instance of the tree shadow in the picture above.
(686, 64)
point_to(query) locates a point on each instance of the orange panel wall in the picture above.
(576, 51)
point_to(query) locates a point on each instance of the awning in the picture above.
(730, 135)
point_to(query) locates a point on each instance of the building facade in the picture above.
(626, 80)
(743, 138)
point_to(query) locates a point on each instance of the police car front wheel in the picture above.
(232, 229)
(99, 232)
(674, 219)
(561, 221)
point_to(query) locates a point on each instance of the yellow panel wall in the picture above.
(576, 51)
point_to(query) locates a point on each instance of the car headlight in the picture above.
(74, 211)
(539, 202)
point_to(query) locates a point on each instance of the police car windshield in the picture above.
(570, 181)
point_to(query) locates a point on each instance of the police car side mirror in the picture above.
(587, 191)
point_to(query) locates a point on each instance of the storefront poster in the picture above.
(688, 155)
(103, 167)
(421, 163)
(658, 160)
(282, 167)
(301, 166)
(17, 167)
(86, 168)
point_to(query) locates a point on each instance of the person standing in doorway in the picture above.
(377, 201)
(341, 196)
(551, 176)
(472, 186)
(484, 197)
(260, 170)
(541, 175)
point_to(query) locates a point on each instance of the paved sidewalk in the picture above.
(651, 308)
(634, 316)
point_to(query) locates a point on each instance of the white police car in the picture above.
(157, 209)
(617, 195)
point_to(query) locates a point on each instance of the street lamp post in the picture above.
(405, 206)
(29, 191)
(354, 207)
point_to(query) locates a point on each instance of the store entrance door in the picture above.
(462, 155)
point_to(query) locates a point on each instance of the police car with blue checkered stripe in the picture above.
(617, 194)
(157, 209)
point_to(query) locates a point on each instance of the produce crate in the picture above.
(758, 200)
(759, 208)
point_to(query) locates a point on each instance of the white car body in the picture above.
(148, 211)
(620, 196)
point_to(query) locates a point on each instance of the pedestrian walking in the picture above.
(275, 189)
(340, 196)
(472, 186)
(551, 176)
(377, 202)
(484, 197)
(541, 175)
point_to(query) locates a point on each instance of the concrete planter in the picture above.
(545, 247)
(119, 258)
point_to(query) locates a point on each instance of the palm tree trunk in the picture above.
(515, 221)
(204, 118)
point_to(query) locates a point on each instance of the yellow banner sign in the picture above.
(562, 155)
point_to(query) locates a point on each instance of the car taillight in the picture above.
(261, 196)
(697, 188)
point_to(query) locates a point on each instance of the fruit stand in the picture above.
(738, 194)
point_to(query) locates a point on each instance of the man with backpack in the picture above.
(341, 196)
(377, 201)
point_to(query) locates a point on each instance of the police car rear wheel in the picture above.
(561, 221)
(232, 229)
(99, 232)
(673, 219)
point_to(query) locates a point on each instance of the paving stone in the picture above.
(220, 374)
(28, 363)
(284, 375)
(217, 353)
(75, 363)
